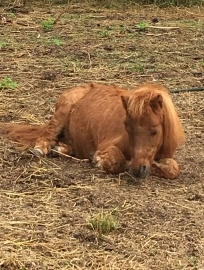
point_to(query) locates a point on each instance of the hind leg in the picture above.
(166, 167)
(111, 160)
(49, 138)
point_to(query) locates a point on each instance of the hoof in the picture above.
(38, 152)
(58, 148)
(97, 161)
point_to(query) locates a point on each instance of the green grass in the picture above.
(8, 83)
(57, 41)
(48, 24)
(202, 63)
(104, 33)
(142, 25)
(135, 67)
(2, 44)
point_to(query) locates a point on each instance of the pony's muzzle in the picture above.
(141, 172)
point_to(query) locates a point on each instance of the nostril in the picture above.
(143, 169)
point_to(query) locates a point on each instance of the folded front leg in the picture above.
(166, 167)
(111, 160)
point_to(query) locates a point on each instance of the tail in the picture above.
(22, 133)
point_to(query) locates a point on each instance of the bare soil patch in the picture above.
(46, 203)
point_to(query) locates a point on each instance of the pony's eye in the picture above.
(154, 132)
(126, 123)
(127, 127)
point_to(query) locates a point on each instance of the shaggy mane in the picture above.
(138, 102)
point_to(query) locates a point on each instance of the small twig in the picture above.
(74, 158)
(56, 20)
(149, 239)
(164, 27)
(177, 204)
(131, 176)
(90, 64)
(196, 89)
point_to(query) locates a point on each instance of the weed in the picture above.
(11, 14)
(103, 223)
(8, 83)
(193, 260)
(48, 24)
(89, 16)
(57, 41)
(152, 251)
(202, 63)
(142, 25)
(2, 44)
(135, 66)
(104, 33)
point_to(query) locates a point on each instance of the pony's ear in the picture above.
(125, 100)
(156, 103)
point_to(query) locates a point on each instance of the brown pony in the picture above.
(120, 130)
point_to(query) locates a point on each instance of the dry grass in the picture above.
(47, 203)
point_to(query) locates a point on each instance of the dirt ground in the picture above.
(46, 203)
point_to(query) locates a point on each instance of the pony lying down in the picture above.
(120, 130)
